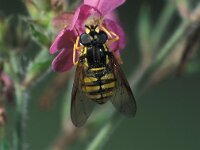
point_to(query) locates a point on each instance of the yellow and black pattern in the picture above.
(99, 89)
(98, 79)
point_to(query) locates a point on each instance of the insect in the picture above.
(98, 76)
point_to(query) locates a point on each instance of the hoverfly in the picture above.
(98, 76)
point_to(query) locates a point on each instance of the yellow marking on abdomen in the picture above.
(89, 79)
(108, 85)
(108, 94)
(91, 88)
(97, 69)
(107, 76)
(97, 96)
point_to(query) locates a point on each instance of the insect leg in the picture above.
(114, 38)
(76, 48)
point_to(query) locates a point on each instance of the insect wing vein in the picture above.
(81, 105)
(123, 100)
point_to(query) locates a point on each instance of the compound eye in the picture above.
(85, 39)
(102, 37)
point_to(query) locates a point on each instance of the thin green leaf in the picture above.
(37, 68)
(163, 21)
(144, 29)
(4, 143)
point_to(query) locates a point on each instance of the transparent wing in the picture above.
(81, 105)
(123, 100)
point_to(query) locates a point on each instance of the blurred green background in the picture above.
(167, 116)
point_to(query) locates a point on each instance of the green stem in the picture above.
(21, 103)
(18, 140)
(105, 131)
(162, 23)
(164, 52)
(4, 145)
(66, 103)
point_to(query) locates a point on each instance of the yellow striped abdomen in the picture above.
(99, 89)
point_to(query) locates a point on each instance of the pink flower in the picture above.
(89, 11)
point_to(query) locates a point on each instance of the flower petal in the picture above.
(117, 29)
(64, 39)
(63, 20)
(81, 15)
(104, 6)
(112, 16)
(63, 61)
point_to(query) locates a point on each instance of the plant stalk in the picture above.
(21, 112)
